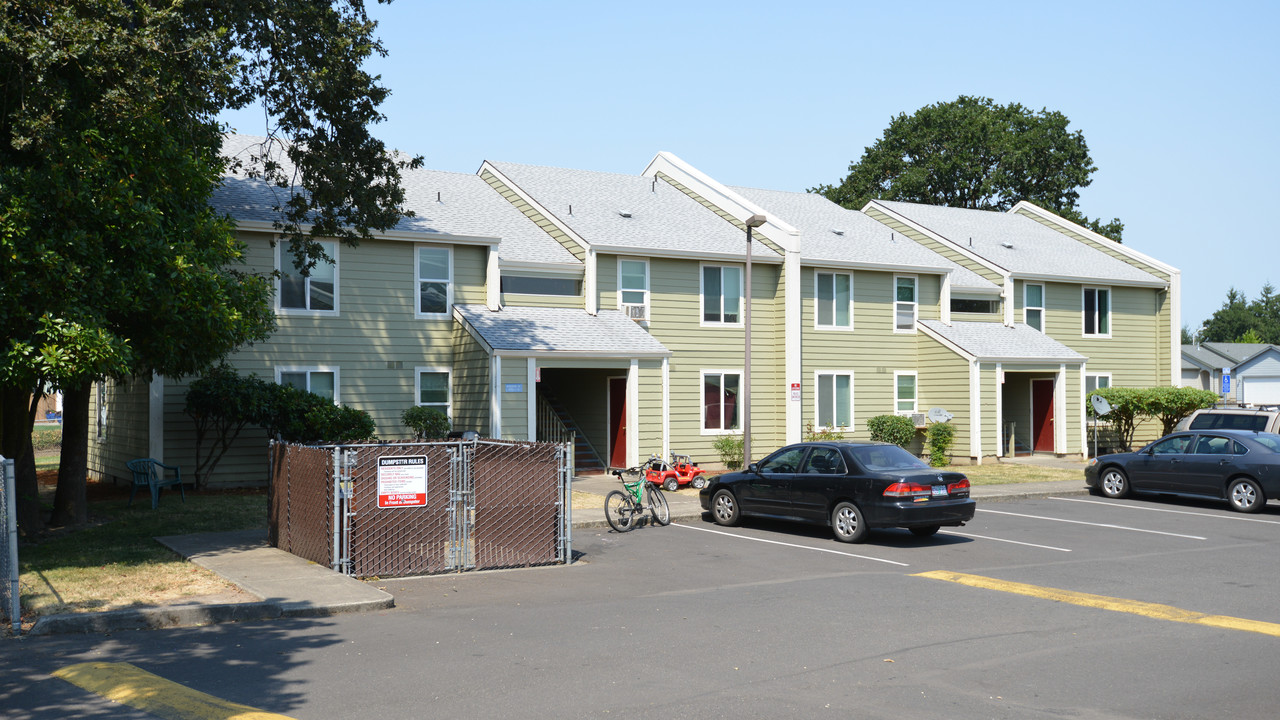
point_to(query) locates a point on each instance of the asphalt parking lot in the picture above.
(1058, 607)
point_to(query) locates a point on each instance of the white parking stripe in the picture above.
(1220, 516)
(802, 547)
(1015, 542)
(1104, 525)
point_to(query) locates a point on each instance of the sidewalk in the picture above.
(288, 586)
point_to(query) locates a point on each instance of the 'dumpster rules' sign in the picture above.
(402, 481)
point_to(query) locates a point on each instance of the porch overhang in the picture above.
(996, 342)
(521, 331)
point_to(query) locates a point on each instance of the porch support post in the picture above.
(590, 284)
(633, 413)
(495, 396)
(1060, 411)
(975, 411)
(1000, 410)
(666, 407)
(792, 322)
(155, 418)
(532, 399)
(1084, 418)
(493, 281)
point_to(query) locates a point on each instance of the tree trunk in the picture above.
(70, 502)
(16, 420)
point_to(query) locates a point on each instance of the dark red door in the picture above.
(1042, 415)
(618, 422)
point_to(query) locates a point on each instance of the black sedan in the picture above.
(1239, 466)
(853, 487)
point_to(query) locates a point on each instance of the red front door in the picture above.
(1042, 415)
(617, 422)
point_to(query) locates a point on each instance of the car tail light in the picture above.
(906, 489)
(958, 486)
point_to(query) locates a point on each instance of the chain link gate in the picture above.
(474, 505)
(10, 595)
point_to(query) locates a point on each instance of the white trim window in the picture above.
(633, 287)
(433, 389)
(434, 271)
(905, 303)
(315, 293)
(322, 381)
(1097, 312)
(834, 397)
(1033, 305)
(721, 393)
(721, 295)
(833, 301)
(1095, 381)
(905, 392)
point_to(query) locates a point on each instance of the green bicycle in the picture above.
(624, 508)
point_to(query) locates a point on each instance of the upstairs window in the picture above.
(435, 281)
(974, 306)
(530, 285)
(316, 291)
(904, 306)
(1033, 306)
(1097, 312)
(833, 300)
(721, 295)
(633, 288)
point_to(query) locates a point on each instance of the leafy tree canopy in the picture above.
(1242, 320)
(973, 153)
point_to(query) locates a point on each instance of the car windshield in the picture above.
(1270, 440)
(879, 458)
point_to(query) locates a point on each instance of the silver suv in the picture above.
(1259, 420)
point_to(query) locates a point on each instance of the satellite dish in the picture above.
(1100, 405)
(937, 414)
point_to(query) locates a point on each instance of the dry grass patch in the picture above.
(1005, 473)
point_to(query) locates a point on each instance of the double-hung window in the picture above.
(835, 400)
(904, 393)
(316, 291)
(721, 295)
(434, 281)
(321, 381)
(1033, 306)
(1097, 312)
(904, 303)
(633, 288)
(833, 300)
(720, 391)
(433, 389)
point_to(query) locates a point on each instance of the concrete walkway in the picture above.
(288, 586)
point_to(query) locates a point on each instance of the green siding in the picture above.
(533, 214)
(125, 435)
(943, 381)
(1137, 352)
(515, 405)
(555, 301)
(470, 383)
(946, 251)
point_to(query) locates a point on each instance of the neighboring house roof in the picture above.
(1021, 245)
(1235, 352)
(521, 330)
(1202, 357)
(997, 341)
(630, 213)
(863, 240)
(446, 205)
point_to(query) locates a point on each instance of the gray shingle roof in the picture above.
(444, 203)
(1203, 357)
(997, 341)
(1032, 248)
(1236, 352)
(663, 219)
(569, 331)
(864, 240)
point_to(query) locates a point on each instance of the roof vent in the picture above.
(624, 213)
(838, 232)
(1008, 245)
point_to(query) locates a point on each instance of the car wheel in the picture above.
(724, 508)
(671, 484)
(847, 523)
(1114, 483)
(926, 531)
(1245, 495)
(698, 482)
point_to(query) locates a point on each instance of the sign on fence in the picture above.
(402, 481)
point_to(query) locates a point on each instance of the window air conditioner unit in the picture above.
(636, 312)
(918, 419)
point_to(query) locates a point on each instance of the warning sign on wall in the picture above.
(402, 481)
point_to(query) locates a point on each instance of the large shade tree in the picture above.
(973, 153)
(112, 264)
(1243, 320)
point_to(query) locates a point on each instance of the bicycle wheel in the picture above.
(658, 506)
(619, 510)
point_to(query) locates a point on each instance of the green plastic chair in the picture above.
(153, 474)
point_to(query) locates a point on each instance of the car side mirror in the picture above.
(754, 468)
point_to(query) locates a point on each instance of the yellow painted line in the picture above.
(131, 685)
(1154, 611)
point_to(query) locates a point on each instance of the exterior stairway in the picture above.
(554, 423)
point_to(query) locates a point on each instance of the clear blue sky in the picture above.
(1179, 101)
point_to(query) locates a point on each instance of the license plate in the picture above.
(939, 490)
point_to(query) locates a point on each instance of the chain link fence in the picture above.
(10, 599)
(397, 509)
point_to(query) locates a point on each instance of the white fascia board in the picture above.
(1119, 247)
(1156, 284)
(1035, 360)
(574, 270)
(968, 292)
(716, 193)
(935, 236)
(457, 315)
(576, 355)
(968, 357)
(550, 216)
(400, 235)
(771, 259)
(886, 267)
